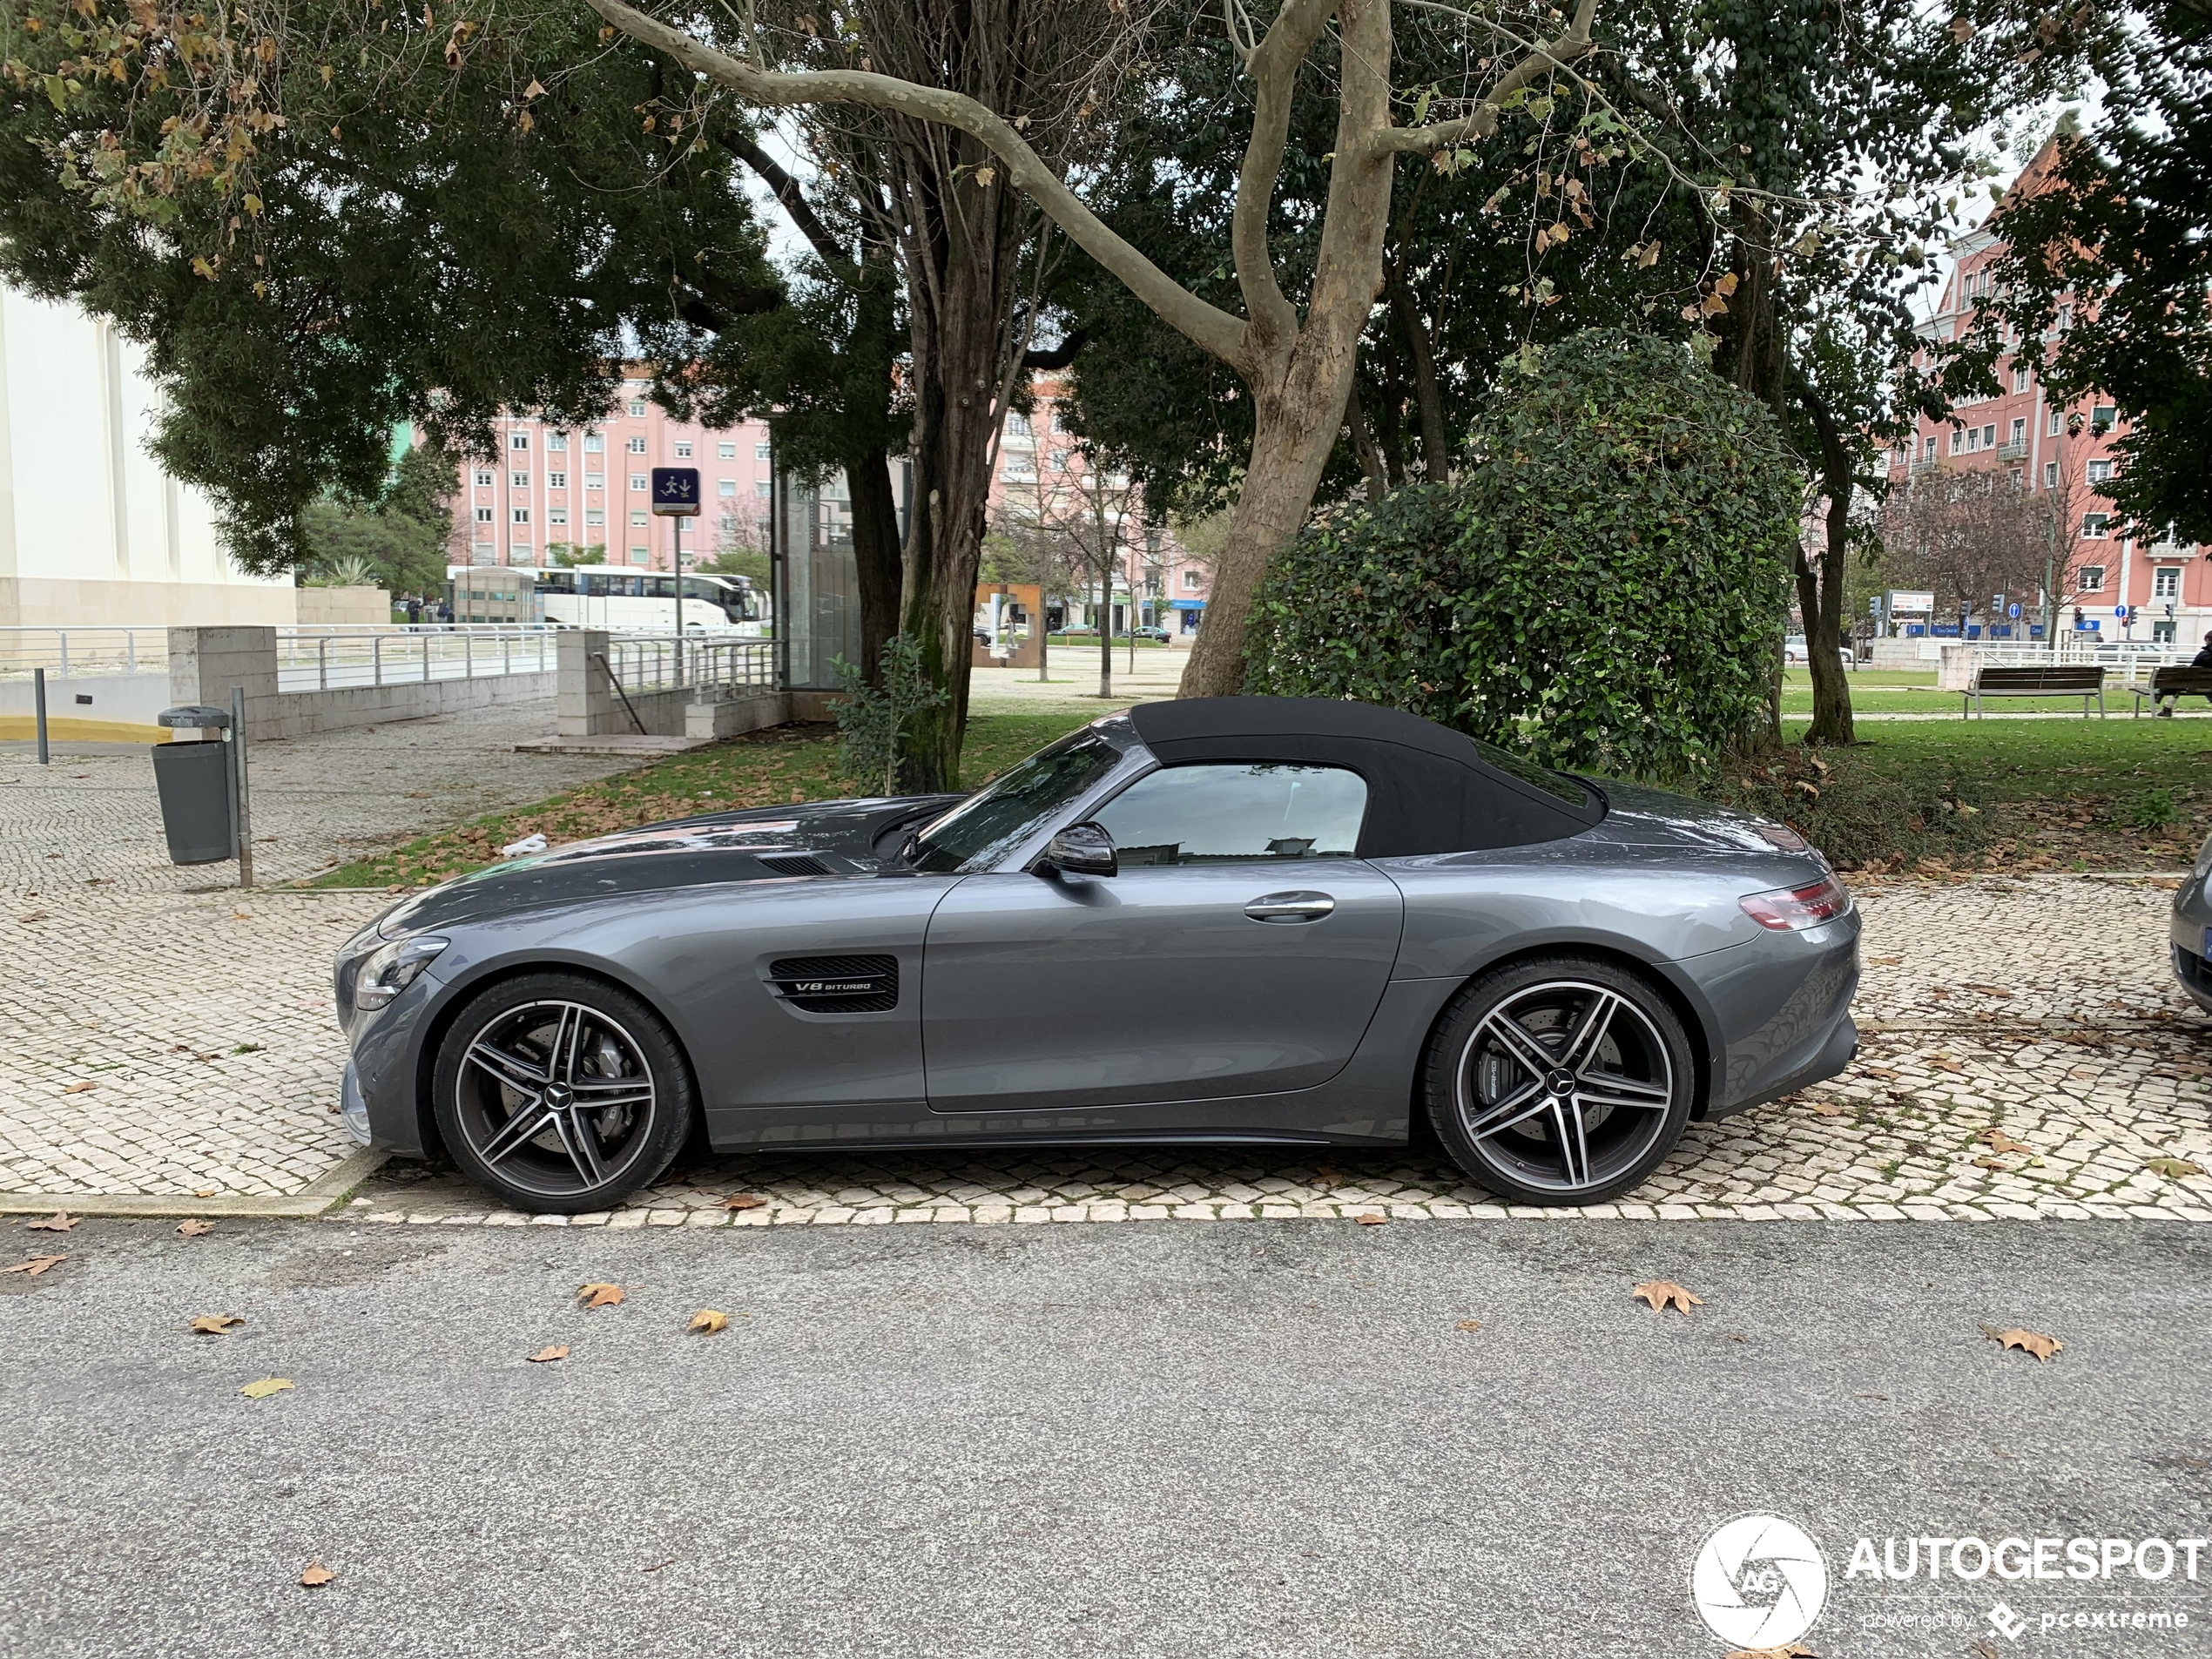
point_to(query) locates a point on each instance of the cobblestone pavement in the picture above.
(2026, 1051)
(162, 1032)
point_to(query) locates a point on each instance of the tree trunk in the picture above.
(1820, 596)
(875, 555)
(1105, 629)
(1436, 449)
(1363, 444)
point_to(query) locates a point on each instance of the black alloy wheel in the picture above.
(561, 1094)
(1562, 1080)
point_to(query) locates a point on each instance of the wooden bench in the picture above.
(2057, 680)
(2175, 680)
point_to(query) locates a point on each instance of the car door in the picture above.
(1240, 949)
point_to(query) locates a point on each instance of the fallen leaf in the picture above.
(316, 1575)
(203, 1192)
(743, 1201)
(1987, 990)
(599, 1295)
(1371, 1218)
(1662, 1292)
(215, 1324)
(195, 1227)
(2027, 1341)
(1945, 1064)
(1993, 1164)
(1793, 1651)
(60, 1221)
(707, 1321)
(1826, 1108)
(2173, 1168)
(36, 1265)
(1468, 1324)
(546, 1356)
(1983, 1649)
(1883, 1072)
(1885, 962)
(1997, 1141)
(78, 1089)
(33, 915)
(267, 1386)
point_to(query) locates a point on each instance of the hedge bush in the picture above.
(1605, 587)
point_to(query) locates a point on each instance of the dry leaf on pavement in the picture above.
(1793, 1651)
(2027, 1341)
(267, 1386)
(316, 1575)
(546, 1356)
(195, 1227)
(215, 1324)
(1371, 1218)
(2174, 1168)
(1664, 1292)
(743, 1201)
(78, 1089)
(1826, 1108)
(707, 1321)
(1998, 1141)
(1468, 1324)
(1983, 1649)
(36, 1265)
(60, 1221)
(598, 1296)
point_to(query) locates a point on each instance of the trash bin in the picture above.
(198, 806)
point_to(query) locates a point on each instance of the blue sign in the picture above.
(2121, 611)
(676, 492)
(2013, 611)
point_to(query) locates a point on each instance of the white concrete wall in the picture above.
(91, 530)
(204, 663)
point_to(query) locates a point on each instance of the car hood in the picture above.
(1637, 816)
(820, 839)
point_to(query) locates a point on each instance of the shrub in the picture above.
(1604, 589)
(871, 719)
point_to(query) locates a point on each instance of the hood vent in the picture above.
(838, 984)
(795, 864)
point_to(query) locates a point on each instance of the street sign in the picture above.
(1912, 604)
(676, 492)
(2121, 611)
(2013, 610)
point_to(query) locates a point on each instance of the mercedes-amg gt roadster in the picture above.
(1258, 920)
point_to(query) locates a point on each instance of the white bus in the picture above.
(603, 596)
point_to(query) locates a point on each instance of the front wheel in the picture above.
(561, 1094)
(1563, 1081)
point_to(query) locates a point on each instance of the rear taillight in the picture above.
(1788, 909)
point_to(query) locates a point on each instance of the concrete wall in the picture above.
(60, 602)
(121, 708)
(319, 606)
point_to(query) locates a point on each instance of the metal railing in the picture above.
(713, 669)
(82, 652)
(333, 657)
(2130, 661)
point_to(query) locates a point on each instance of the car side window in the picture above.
(1237, 814)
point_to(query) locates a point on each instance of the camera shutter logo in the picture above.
(1758, 1582)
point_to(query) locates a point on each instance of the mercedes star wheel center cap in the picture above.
(1560, 1082)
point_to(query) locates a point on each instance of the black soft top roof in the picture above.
(1430, 789)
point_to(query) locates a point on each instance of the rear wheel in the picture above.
(1561, 1080)
(561, 1094)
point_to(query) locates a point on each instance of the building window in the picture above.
(2019, 380)
(557, 481)
(593, 443)
(683, 448)
(594, 515)
(2094, 525)
(726, 451)
(637, 553)
(557, 515)
(2104, 417)
(2092, 578)
(595, 481)
(2165, 581)
(1988, 441)
(2016, 475)
(637, 446)
(637, 480)
(485, 515)
(518, 441)
(1191, 581)
(518, 481)
(760, 450)
(639, 518)
(2050, 475)
(556, 442)
(1017, 426)
(519, 515)
(1020, 467)
(2057, 419)
(2162, 633)
(2019, 431)
(1927, 449)
(637, 408)
(2099, 472)
(760, 488)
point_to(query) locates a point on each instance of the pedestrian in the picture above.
(414, 612)
(2204, 660)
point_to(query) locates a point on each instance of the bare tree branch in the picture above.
(1554, 54)
(1274, 65)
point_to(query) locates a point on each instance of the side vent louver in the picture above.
(838, 984)
(795, 864)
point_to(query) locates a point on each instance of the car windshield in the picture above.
(981, 829)
(1520, 766)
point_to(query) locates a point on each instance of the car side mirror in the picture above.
(1081, 849)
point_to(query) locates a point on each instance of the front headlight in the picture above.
(391, 968)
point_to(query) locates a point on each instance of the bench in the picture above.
(2176, 680)
(1992, 680)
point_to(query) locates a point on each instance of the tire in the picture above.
(596, 1069)
(1531, 1107)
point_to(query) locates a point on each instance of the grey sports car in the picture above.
(2193, 930)
(1245, 919)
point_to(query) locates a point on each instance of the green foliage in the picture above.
(1605, 589)
(872, 721)
(397, 542)
(748, 561)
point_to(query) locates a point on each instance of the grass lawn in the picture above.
(1992, 794)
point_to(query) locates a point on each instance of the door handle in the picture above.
(1289, 907)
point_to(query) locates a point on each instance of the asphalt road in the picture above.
(1167, 1438)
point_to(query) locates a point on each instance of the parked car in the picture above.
(1327, 919)
(1157, 636)
(2193, 930)
(1080, 630)
(1794, 650)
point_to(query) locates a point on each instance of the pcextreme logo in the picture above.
(1758, 1582)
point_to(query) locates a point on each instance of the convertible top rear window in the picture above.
(1543, 777)
(985, 827)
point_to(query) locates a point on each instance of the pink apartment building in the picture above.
(2046, 446)
(587, 486)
